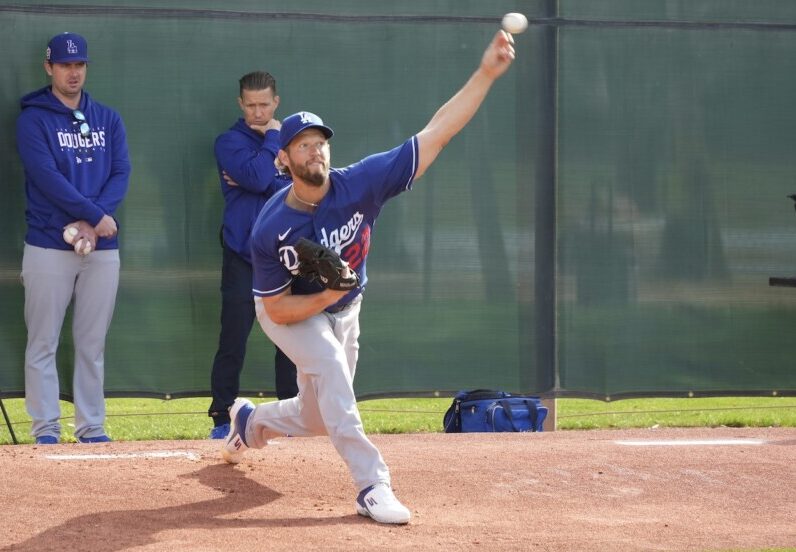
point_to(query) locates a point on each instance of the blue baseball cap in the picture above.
(66, 48)
(301, 121)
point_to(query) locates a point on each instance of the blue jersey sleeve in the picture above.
(388, 173)
(271, 276)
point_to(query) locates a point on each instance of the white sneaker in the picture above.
(235, 443)
(379, 503)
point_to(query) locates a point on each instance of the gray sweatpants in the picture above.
(52, 278)
(324, 348)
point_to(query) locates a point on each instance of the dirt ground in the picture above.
(661, 489)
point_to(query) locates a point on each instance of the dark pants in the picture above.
(237, 318)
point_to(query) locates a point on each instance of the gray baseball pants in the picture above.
(324, 348)
(52, 279)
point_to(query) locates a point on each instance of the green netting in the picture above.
(675, 162)
(605, 226)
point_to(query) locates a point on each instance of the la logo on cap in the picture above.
(306, 118)
(67, 48)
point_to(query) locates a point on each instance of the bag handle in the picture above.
(532, 412)
(507, 411)
(482, 394)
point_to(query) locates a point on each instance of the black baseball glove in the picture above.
(320, 263)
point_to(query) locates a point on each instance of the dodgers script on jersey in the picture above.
(343, 221)
(72, 172)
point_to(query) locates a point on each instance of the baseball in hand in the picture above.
(83, 246)
(69, 234)
(514, 23)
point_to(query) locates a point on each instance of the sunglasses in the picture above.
(85, 130)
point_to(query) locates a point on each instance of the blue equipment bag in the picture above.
(484, 410)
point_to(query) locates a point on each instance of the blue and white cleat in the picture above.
(379, 502)
(235, 442)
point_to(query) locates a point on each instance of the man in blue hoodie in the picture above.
(245, 156)
(74, 153)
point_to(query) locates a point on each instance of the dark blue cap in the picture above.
(301, 121)
(66, 48)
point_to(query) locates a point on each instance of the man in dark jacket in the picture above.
(245, 155)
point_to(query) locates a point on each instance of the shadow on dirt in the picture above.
(125, 529)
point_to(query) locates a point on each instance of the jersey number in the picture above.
(355, 253)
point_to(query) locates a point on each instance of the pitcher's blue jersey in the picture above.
(343, 221)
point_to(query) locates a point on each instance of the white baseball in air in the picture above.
(83, 246)
(514, 23)
(69, 234)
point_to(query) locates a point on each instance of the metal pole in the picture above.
(8, 423)
(545, 215)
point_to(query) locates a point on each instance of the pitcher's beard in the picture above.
(316, 178)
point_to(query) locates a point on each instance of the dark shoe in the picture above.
(46, 440)
(219, 432)
(97, 439)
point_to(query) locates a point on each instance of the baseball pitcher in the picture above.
(309, 251)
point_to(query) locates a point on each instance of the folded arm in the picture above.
(251, 169)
